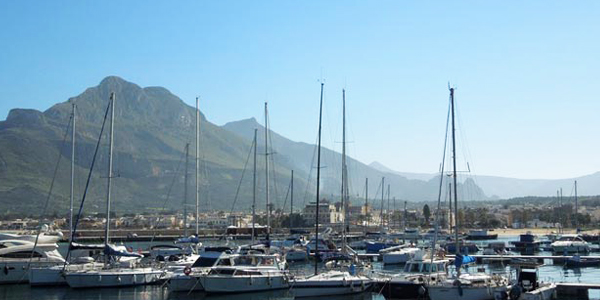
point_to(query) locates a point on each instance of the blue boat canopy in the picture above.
(463, 260)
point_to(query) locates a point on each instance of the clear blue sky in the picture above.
(527, 72)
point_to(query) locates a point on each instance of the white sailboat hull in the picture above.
(243, 284)
(468, 293)
(55, 275)
(185, 283)
(329, 288)
(114, 278)
(17, 271)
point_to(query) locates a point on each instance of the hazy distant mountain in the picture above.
(152, 127)
(419, 176)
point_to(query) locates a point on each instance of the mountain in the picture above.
(303, 157)
(152, 127)
(419, 176)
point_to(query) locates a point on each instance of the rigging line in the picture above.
(87, 184)
(49, 195)
(442, 185)
(168, 196)
(237, 192)
(286, 197)
(310, 173)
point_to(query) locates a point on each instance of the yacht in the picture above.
(528, 287)
(330, 283)
(189, 279)
(527, 243)
(398, 256)
(44, 238)
(410, 284)
(240, 273)
(570, 243)
(17, 256)
(478, 286)
(481, 234)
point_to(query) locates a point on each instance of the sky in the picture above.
(526, 72)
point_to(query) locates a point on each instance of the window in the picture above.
(21, 254)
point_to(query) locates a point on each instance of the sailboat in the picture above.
(478, 286)
(80, 258)
(332, 282)
(114, 272)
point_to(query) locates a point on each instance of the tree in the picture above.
(426, 213)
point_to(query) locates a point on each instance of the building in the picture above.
(325, 209)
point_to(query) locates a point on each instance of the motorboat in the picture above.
(465, 247)
(410, 284)
(478, 286)
(399, 256)
(44, 238)
(481, 234)
(495, 248)
(189, 279)
(246, 273)
(330, 283)
(528, 287)
(570, 243)
(17, 256)
(527, 243)
(376, 246)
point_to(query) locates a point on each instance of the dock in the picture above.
(576, 290)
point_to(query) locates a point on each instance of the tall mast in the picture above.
(450, 204)
(267, 170)
(454, 177)
(344, 171)
(254, 189)
(72, 194)
(110, 165)
(576, 210)
(197, 164)
(366, 203)
(405, 215)
(185, 190)
(318, 181)
(388, 207)
(291, 200)
(381, 211)
(562, 221)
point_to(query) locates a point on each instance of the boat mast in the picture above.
(72, 194)
(291, 200)
(454, 178)
(344, 171)
(267, 170)
(381, 211)
(576, 210)
(254, 189)
(109, 175)
(388, 208)
(318, 180)
(185, 190)
(450, 204)
(366, 204)
(197, 164)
